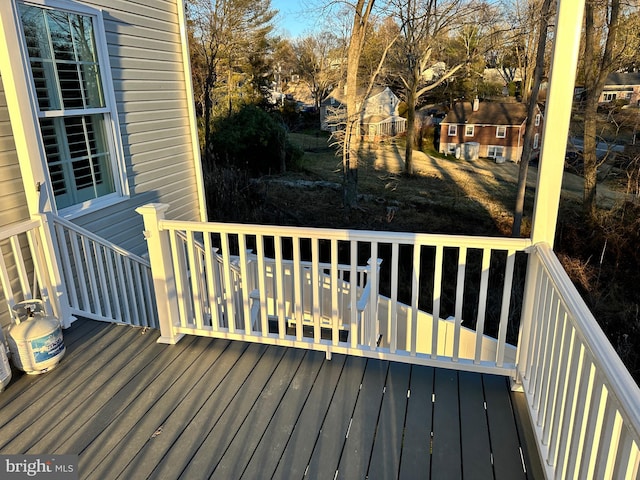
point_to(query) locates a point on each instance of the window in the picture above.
(453, 130)
(451, 148)
(468, 131)
(501, 131)
(495, 151)
(537, 120)
(536, 139)
(74, 113)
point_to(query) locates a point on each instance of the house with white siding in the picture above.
(379, 113)
(96, 115)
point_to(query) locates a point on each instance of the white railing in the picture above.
(584, 404)
(102, 281)
(23, 269)
(292, 286)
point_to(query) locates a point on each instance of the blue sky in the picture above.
(294, 18)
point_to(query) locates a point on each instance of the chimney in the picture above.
(476, 104)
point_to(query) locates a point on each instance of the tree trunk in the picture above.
(597, 67)
(352, 127)
(411, 122)
(531, 113)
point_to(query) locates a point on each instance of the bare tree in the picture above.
(601, 31)
(425, 25)
(361, 14)
(531, 113)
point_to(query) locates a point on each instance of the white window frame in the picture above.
(452, 130)
(499, 129)
(492, 151)
(469, 130)
(111, 124)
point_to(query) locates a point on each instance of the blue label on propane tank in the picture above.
(47, 347)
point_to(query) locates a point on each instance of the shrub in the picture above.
(253, 140)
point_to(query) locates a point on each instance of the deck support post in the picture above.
(164, 283)
(564, 60)
(52, 278)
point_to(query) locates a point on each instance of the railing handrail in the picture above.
(593, 338)
(14, 229)
(470, 241)
(99, 240)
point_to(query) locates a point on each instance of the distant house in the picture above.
(380, 116)
(489, 129)
(622, 86)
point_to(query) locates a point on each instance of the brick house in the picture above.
(491, 129)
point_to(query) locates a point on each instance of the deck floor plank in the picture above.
(387, 447)
(224, 410)
(415, 462)
(356, 453)
(330, 439)
(136, 378)
(77, 340)
(63, 384)
(210, 408)
(73, 409)
(505, 441)
(118, 444)
(299, 448)
(275, 437)
(446, 454)
(243, 445)
(474, 430)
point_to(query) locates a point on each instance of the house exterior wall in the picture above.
(486, 136)
(621, 92)
(385, 103)
(13, 201)
(152, 94)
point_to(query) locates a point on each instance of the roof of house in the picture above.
(491, 113)
(339, 95)
(618, 78)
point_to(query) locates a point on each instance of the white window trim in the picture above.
(498, 131)
(452, 130)
(118, 165)
(489, 147)
(466, 131)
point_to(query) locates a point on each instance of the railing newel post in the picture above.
(50, 251)
(164, 282)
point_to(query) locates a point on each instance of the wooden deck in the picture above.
(133, 409)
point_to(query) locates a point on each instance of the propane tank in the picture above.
(5, 368)
(35, 340)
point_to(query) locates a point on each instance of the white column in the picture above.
(161, 270)
(555, 132)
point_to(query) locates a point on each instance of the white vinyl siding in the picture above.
(13, 202)
(144, 47)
